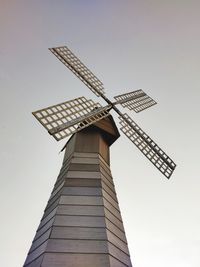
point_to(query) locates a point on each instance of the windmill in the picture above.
(85, 179)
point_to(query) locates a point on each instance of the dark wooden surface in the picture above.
(82, 224)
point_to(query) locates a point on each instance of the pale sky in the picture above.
(153, 45)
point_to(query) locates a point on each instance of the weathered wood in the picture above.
(83, 154)
(84, 167)
(81, 200)
(42, 230)
(44, 237)
(85, 160)
(114, 219)
(83, 182)
(81, 210)
(46, 218)
(35, 263)
(117, 242)
(112, 209)
(76, 260)
(110, 191)
(78, 233)
(82, 224)
(116, 262)
(36, 253)
(79, 221)
(77, 246)
(115, 230)
(84, 174)
(80, 191)
(119, 254)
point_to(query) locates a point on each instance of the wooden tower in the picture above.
(82, 224)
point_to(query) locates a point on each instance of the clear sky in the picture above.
(153, 45)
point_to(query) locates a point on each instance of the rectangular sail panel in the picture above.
(57, 115)
(133, 94)
(147, 146)
(79, 69)
(82, 122)
(136, 100)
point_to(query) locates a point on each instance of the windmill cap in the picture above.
(108, 128)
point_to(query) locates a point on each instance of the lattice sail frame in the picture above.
(147, 146)
(64, 54)
(137, 100)
(66, 118)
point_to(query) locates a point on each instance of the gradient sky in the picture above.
(153, 45)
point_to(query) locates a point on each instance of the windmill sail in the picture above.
(147, 146)
(79, 69)
(136, 100)
(80, 123)
(64, 119)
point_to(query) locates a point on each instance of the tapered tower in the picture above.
(82, 225)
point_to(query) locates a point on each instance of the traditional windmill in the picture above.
(82, 224)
